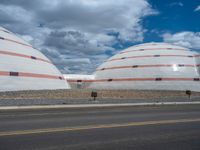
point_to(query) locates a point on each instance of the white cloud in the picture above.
(177, 4)
(186, 39)
(15, 14)
(75, 61)
(94, 16)
(197, 8)
(76, 29)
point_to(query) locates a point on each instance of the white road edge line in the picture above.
(94, 105)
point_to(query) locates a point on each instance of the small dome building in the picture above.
(150, 66)
(22, 67)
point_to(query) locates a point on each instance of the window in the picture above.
(14, 73)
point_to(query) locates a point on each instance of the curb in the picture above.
(96, 105)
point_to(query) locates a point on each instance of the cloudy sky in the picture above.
(78, 35)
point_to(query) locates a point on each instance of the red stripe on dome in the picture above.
(17, 42)
(5, 31)
(147, 66)
(72, 80)
(146, 56)
(10, 40)
(4, 73)
(149, 49)
(137, 79)
(23, 55)
(152, 79)
(32, 75)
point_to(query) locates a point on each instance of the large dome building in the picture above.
(151, 66)
(22, 67)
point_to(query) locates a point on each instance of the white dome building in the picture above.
(22, 67)
(151, 66)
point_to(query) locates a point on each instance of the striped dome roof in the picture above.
(159, 66)
(25, 68)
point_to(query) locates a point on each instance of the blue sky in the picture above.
(78, 35)
(173, 17)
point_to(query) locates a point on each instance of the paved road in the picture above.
(143, 127)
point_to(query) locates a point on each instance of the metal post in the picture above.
(189, 93)
(94, 95)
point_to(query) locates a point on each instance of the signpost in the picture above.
(189, 93)
(94, 95)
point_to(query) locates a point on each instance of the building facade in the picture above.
(79, 81)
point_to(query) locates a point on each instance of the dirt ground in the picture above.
(86, 94)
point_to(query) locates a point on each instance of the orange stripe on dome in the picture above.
(17, 42)
(32, 75)
(23, 55)
(146, 56)
(137, 79)
(147, 66)
(149, 49)
(5, 31)
(4, 73)
(10, 40)
(72, 80)
(153, 79)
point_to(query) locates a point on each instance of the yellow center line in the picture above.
(89, 127)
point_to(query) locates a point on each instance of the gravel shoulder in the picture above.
(62, 97)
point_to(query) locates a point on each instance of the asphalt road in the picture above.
(139, 127)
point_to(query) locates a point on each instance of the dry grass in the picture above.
(86, 94)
